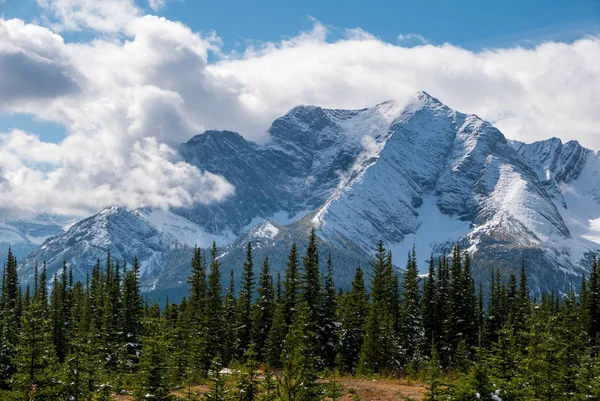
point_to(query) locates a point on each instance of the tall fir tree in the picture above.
(214, 311)
(413, 335)
(246, 295)
(292, 284)
(354, 309)
(37, 367)
(263, 309)
(428, 304)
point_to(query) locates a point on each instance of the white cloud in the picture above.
(412, 37)
(127, 100)
(156, 5)
(98, 15)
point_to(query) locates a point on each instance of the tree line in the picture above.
(88, 341)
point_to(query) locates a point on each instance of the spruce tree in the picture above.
(218, 390)
(263, 309)
(412, 323)
(354, 309)
(230, 319)
(248, 384)
(297, 381)
(10, 317)
(131, 315)
(37, 367)
(428, 304)
(292, 284)
(214, 311)
(328, 328)
(153, 374)
(274, 344)
(244, 317)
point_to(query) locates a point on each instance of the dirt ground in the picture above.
(380, 389)
(354, 389)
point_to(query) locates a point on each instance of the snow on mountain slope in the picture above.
(417, 173)
(25, 235)
(126, 234)
(179, 230)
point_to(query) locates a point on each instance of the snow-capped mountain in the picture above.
(25, 235)
(417, 173)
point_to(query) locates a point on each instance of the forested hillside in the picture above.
(291, 336)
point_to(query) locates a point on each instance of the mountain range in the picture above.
(413, 174)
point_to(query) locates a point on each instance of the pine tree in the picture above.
(36, 364)
(312, 291)
(10, 318)
(412, 324)
(264, 308)
(523, 305)
(428, 313)
(379, 352)
(433, 377)
(292, 284)
(214, 311)
(248, 384)
(328, 328)
(153, 372)
(354, 309)
(132, 304)
(275, 340)
(218, 390)
(442, 310)
(244, 318)
(268, 386)
(230, 317)
(298, 359)
(456, 325)
(471, 325)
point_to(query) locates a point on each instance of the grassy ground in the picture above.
(354, 389)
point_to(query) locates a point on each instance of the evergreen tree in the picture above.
(230, 318)
(430, 318)
(263, 310)
(292, 284)
(214, 311)
(10, 318)
(523, 305)
(36, 364)
(218, 390)
(471, 325)
(248, 383)
(312, 291)
(298, 359)
(354, 309)
(277, 333)
(412, 323)
(244, 318)
(153, 372)
(132, 313)
(328, 328)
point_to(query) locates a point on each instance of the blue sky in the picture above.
(472, 24)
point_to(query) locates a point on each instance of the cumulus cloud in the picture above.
(129, 98)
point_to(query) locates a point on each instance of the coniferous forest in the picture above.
(290, 336)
